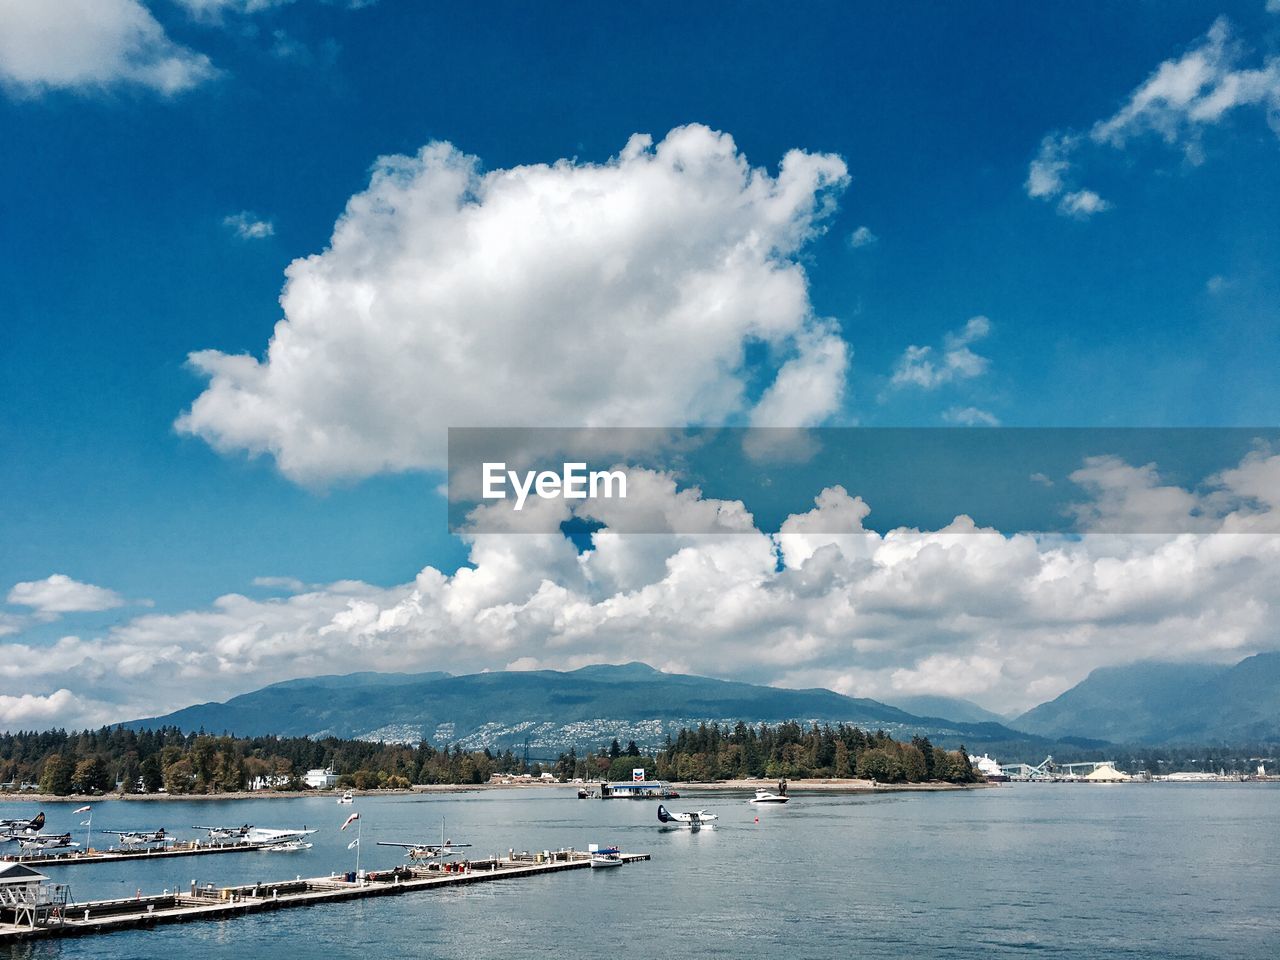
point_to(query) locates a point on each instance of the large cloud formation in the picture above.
(1008, 620)
(623, 293)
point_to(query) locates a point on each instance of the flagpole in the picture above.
(88, 830)
(359, 845)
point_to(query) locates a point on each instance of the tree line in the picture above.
(787, 750)
(148, 761)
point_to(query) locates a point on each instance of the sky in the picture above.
(256, 256)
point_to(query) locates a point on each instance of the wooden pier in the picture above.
(221, 903)
(189, 848)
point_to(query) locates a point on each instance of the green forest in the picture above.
(149, 761)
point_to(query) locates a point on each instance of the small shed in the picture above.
(27, 894)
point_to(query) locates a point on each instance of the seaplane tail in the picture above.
(14, 827)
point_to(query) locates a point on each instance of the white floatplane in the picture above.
(421, 852)
(693, 819)
(274, 837)
(11, 828)
(139, 838)
(41, 841)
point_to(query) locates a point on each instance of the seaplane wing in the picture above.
(226, 833)
(34, 825)
(689, 817)
(275, 835)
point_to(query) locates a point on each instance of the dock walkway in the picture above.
(187, 848)
(220, 903)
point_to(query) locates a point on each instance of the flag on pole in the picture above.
(85, 823)
(350, 820)
(353, 844)
(85, 809)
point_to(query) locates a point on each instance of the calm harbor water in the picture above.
(1149, 871)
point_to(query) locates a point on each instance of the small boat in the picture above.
(764, 796)
(605, 856)
(347, 797)
(288, 846)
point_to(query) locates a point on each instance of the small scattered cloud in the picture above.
(929, 369)
(249, 226)
(87, 45)
(287, 584)
(1182, 98)
(214, 10)
(970, 417)
(1218, 283)
(1082, 204)
(59, 594)
(862, 237)
(1042, 479)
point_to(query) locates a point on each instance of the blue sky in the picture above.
(120, 253)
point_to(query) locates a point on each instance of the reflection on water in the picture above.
(1151, 871)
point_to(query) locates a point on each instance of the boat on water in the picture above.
(603, 857)
(766, 796)
(347, 797)
(288, 846)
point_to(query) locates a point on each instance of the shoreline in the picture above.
(801, 786)
(829, 786)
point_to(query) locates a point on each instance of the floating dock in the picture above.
(189, 848)
(221, 903)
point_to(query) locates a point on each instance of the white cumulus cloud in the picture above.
(58, 594)
(580, 294)
(1007, 619)
(92, 44)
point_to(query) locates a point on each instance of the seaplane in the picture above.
(426, 852)
(693, 819)
(276, 837)
(42, 841)
(139, 838)
(10, 828)
(227, 833)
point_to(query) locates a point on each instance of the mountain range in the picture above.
(1153, 703)
(550, 710)
(1141, 703)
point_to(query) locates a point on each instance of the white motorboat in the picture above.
(347, 797)
(764, 796)
(288, 846)
(605, 856)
